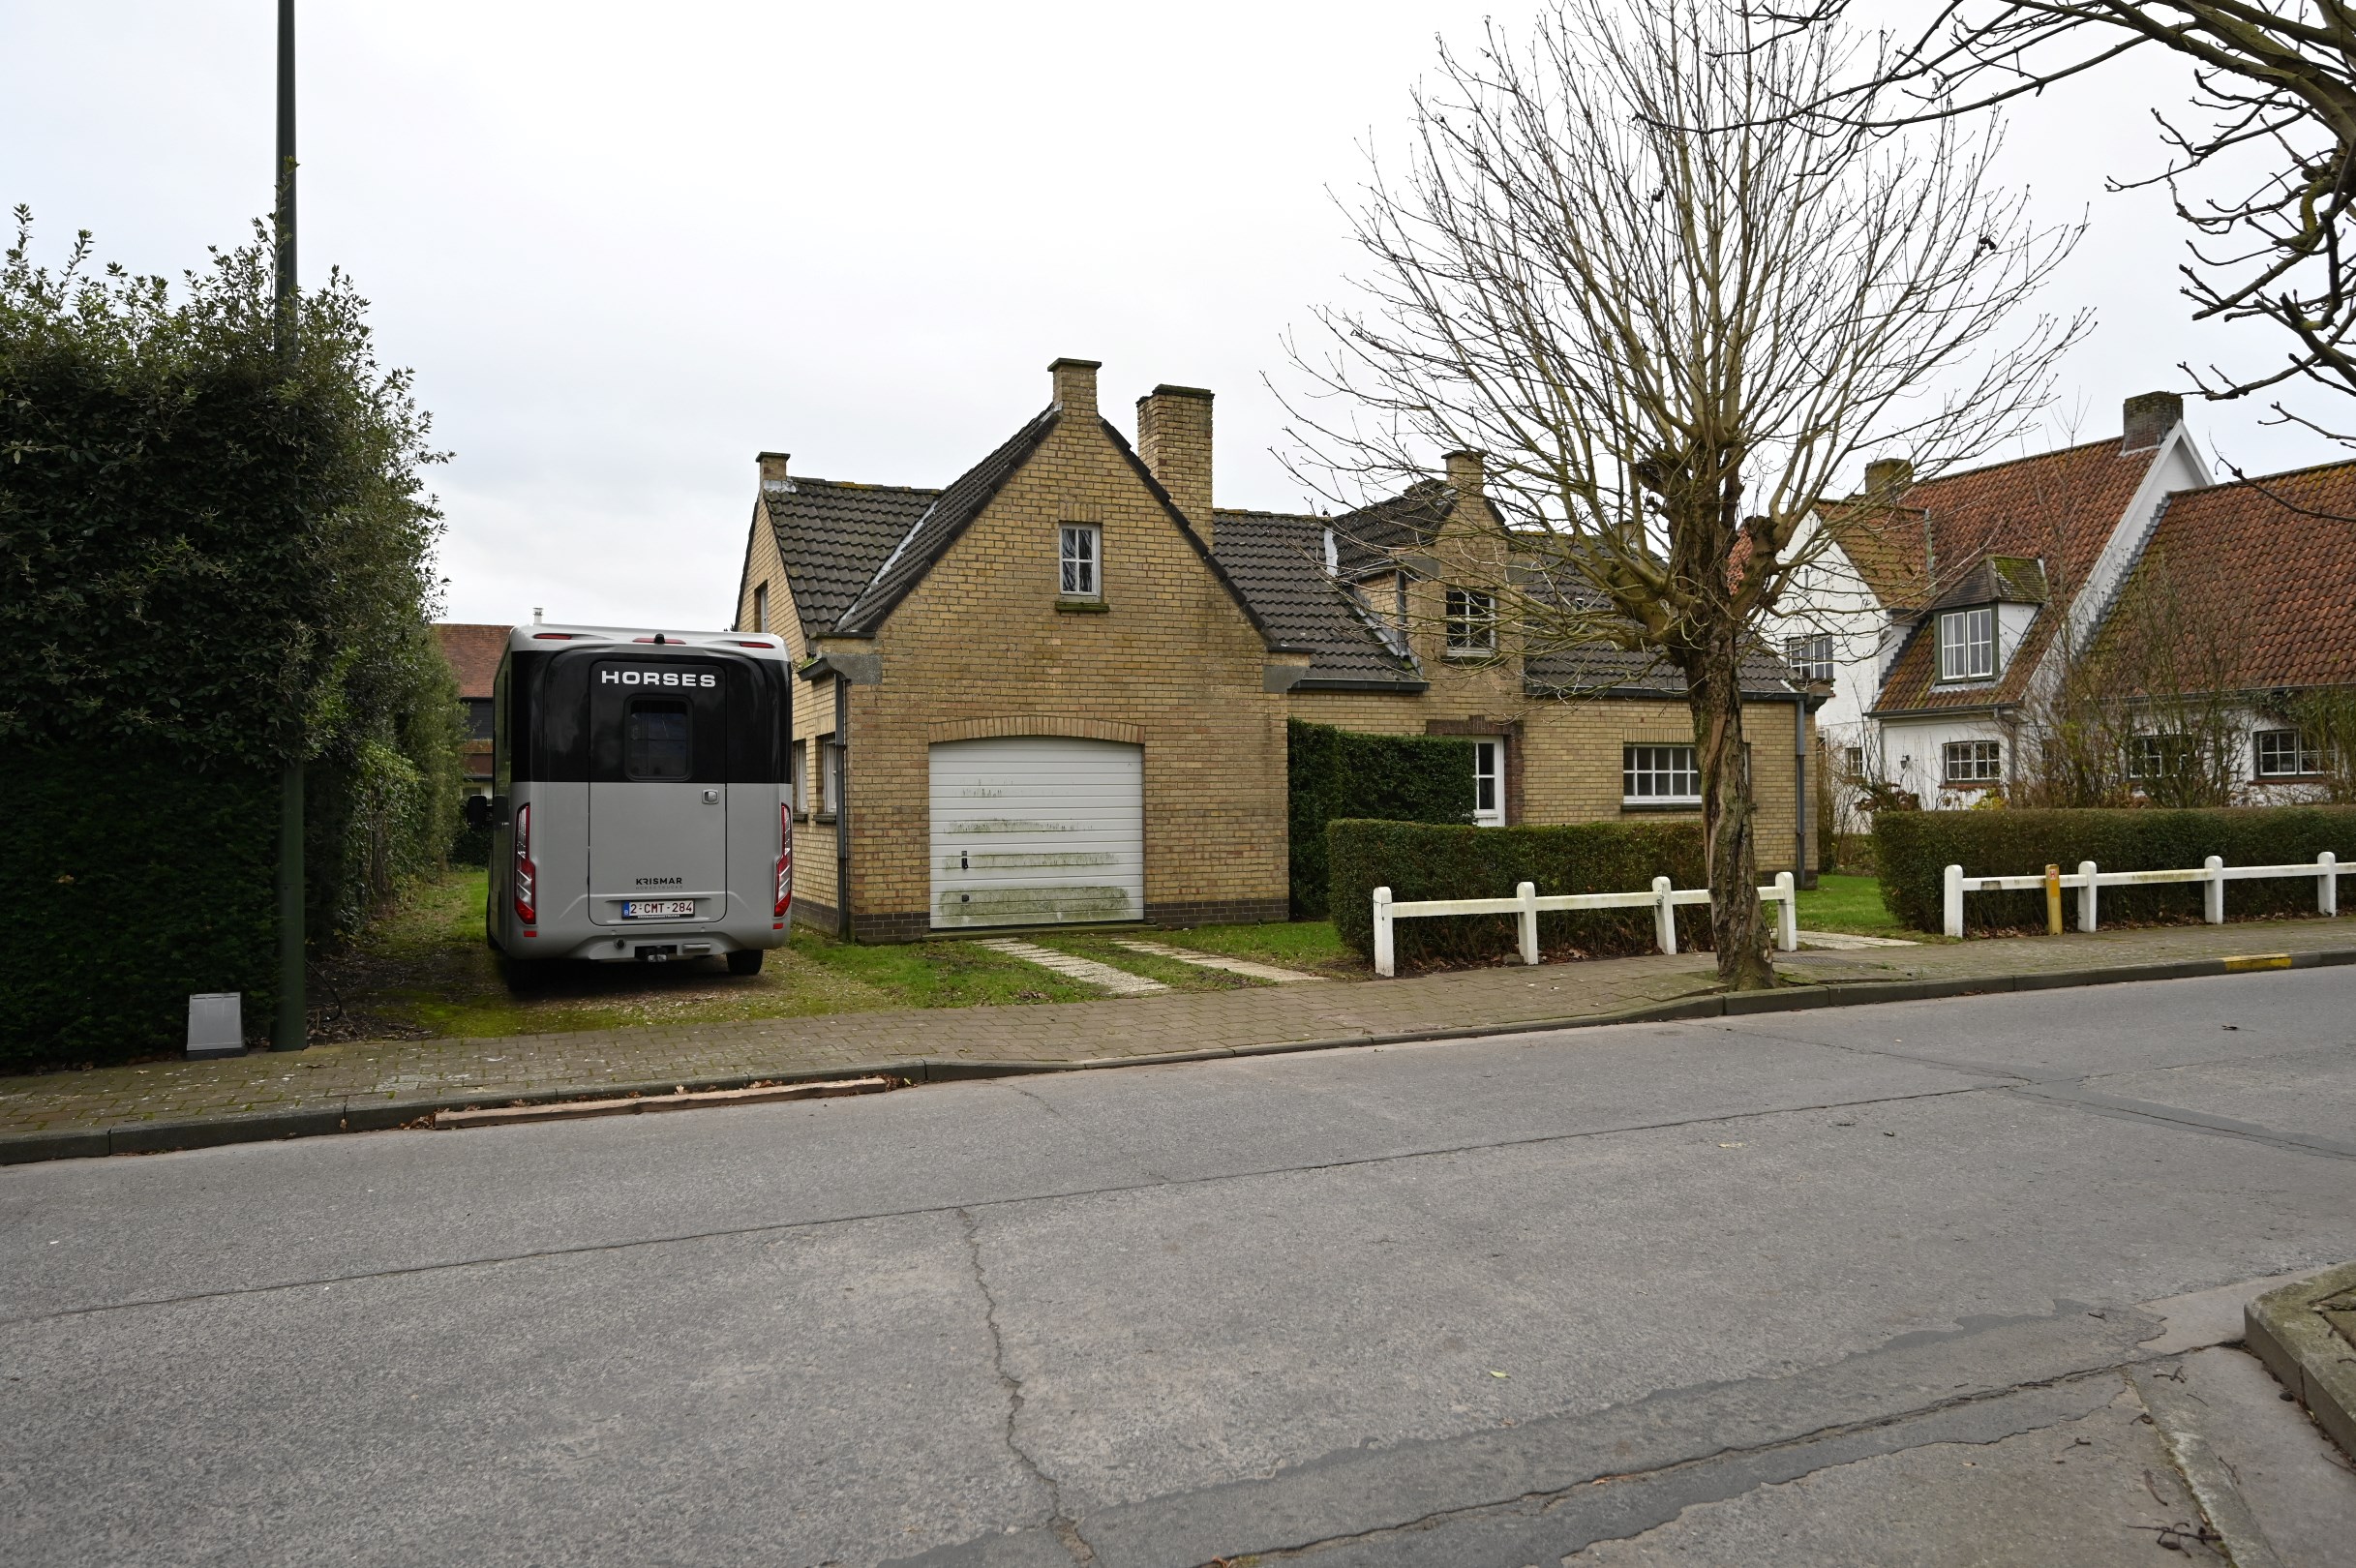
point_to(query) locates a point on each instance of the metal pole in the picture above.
(291, 1032)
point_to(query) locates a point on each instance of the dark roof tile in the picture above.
(832, 535)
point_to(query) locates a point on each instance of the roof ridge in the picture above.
(2252, 481)
(2026, 457)
(862, 484)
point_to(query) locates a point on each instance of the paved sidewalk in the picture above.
(387, 1083)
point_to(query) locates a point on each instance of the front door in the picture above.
(1489, 783)
(658, 800)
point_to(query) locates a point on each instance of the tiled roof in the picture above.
(2057, 509)
(2270, 563)
(832, 536)
(1277, 560)
(1369, 539)
(1998, 579)
(937, 528)
(474, 652)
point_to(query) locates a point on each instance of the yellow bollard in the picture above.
(2053, 900)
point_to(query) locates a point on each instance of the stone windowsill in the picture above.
(1082, 607)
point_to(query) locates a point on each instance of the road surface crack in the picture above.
(1064, 1527)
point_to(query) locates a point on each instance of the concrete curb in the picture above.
(2306, 1353)
(374, 1114)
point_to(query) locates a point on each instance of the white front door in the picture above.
(1037, 829)
(1489, 783)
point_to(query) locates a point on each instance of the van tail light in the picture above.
(527, 875)
(785, 858)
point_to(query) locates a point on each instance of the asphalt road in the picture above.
(1830, 1286)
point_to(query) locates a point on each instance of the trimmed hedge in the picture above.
(1332, 773)
(129, 882)
(1421, 860)
(1914, 849)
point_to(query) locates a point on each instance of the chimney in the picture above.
(772, 470)
(1468, 472)
(1888, 478)
(2147, 417)
(1075, 386)
(1174, 440)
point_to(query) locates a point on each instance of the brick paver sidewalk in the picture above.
(384, 1082)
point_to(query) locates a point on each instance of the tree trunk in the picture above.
(1737, 922)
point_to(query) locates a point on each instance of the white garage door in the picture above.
(1035, 830)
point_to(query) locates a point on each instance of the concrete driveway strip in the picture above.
(1357, 1305)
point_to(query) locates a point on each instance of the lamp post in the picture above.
(291, 1032)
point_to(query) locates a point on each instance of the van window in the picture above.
(654, 739)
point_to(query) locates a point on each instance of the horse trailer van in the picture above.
(640, 809)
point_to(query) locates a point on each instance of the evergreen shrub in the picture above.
(1333, 774)
(1913, 850)
(1419, 861)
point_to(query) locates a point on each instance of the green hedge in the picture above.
(1422, 861)
(129, 883)
(1913, 850)
(1332, 773)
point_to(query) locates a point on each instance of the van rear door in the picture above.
(658, 796)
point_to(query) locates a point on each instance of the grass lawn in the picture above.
(425, 970)
(1303, 944)
(1847, 903)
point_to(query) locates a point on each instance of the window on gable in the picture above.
(1967, 644)
(1473, 621)
(1082, 557)
(760, 607)
(1975, 762)
(1659, 775)
(1811, 657)
(2285, 754)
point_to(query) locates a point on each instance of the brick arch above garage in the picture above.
(1078, 729)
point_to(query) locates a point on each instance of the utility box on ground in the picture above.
(216, 1024)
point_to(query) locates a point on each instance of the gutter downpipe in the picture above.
(843, 808)
(1799, 787)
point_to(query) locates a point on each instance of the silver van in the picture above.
(640, 809)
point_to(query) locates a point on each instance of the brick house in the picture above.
(1056, 689)
(474, 652)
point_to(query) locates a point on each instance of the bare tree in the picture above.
(2263, 170)
(1667, 341)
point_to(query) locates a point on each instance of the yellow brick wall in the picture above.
(1174, 656)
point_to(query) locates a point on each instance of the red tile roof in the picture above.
(2270, 563)
(2058, 508)
(474, 652)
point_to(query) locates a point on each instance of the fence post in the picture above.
(1527, 919)
(2053, 899)
(1787, 913)
(2212, 891)
(2086, 896)
(2327, 885)
(1953, 901)
(1664, 916)
(1384, 961)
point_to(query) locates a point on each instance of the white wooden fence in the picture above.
(1525, 905)
(2088, 881)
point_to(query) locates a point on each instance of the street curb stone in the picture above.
(372, 1113)
(2306, 1353)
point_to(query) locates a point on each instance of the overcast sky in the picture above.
(627, 247)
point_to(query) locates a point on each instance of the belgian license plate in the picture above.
(657, 909)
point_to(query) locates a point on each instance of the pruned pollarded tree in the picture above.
(1668, 342)
(2260, 164)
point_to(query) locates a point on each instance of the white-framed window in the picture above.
(829, 775)
(1473, 621)
(1854, 758)
(1811, 657)
(760, 607)
(1659, 775)
(1489, 783)
(2285, 754)
(1975, 762)
(2156, 756)
(1967, 644)
(1081, 550)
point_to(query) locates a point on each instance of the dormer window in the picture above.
(1967, 644)
(1472, 624)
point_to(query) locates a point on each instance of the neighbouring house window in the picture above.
(2285, 754)
(1473, 621)
(1811, 657)
(1082, 559)
(798, 778)
(1854, 757)
(829, 775)
(478, 718)
(1967, 645)
(2157, 756)
(1660, 775)
(760, 607)
(1489, 784)
(1975, 762)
